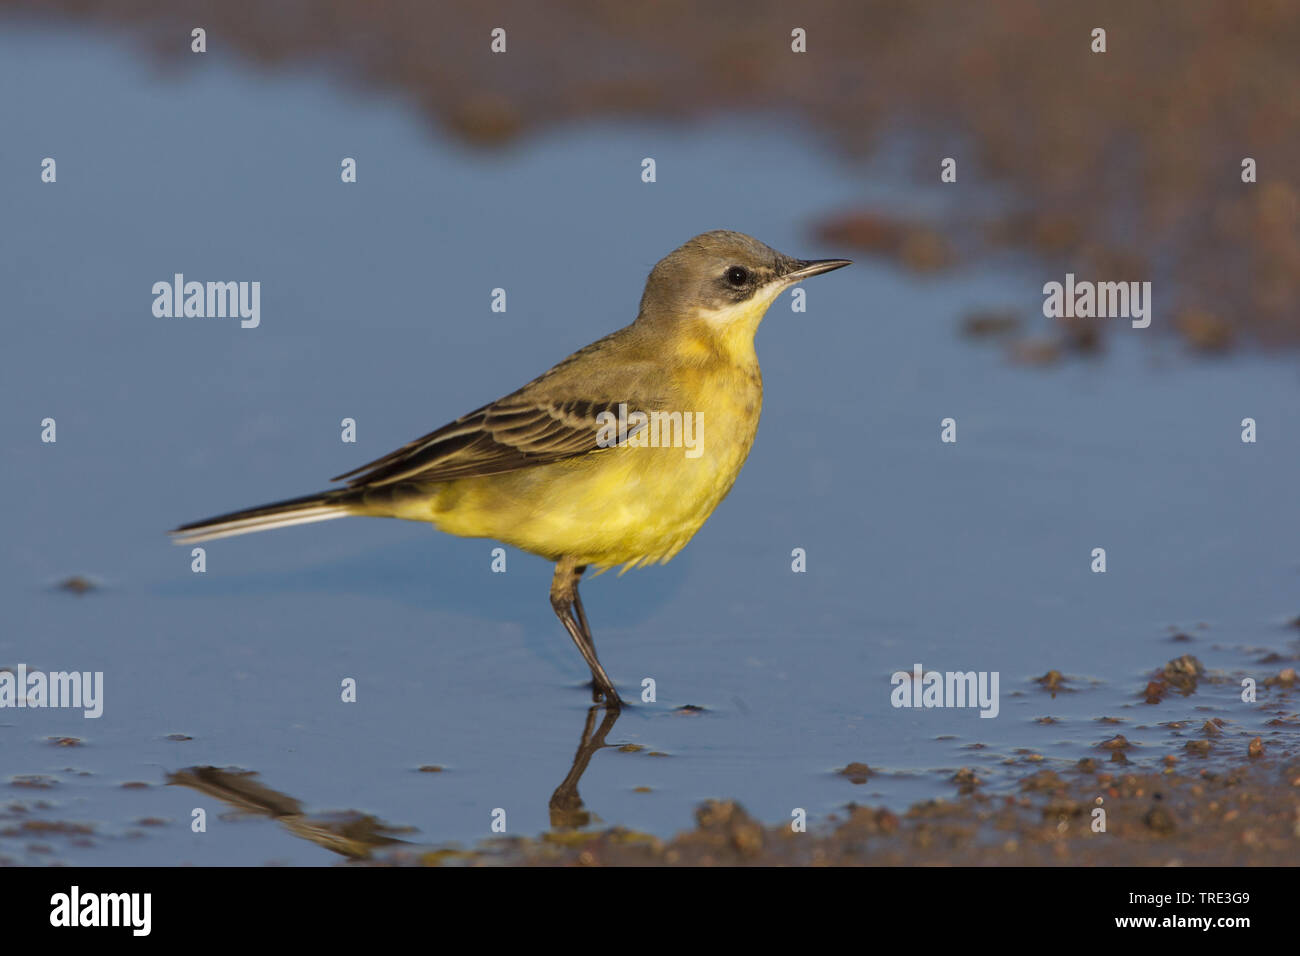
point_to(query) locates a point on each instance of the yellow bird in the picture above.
(616, 456)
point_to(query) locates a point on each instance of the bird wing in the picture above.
(550, 419)
(503, 436)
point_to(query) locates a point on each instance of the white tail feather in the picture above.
(284, 519)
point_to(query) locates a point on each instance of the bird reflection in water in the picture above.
(357, 835)
(352, 834)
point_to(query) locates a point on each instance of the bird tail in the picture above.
(281, 514)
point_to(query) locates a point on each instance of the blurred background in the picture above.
(522, 170)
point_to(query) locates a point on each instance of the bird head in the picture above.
(725, 281)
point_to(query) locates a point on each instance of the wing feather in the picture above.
(504, 436)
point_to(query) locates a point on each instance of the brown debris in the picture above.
(1180, 674)
(1203, 330)
(857, 773)
(989, 323)
(1284, 678)
(912, 245)
(1053, 681)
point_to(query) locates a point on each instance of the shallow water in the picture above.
(375, 306)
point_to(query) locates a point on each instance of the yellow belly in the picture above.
(624, 506)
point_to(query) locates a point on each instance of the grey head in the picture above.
(721, 269)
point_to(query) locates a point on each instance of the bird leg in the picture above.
(566, 803)
(577, 606)
(565, 600)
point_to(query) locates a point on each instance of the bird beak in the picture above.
(803, 268)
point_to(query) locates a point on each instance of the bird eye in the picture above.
(737, 276)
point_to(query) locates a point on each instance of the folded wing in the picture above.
(518, 431)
